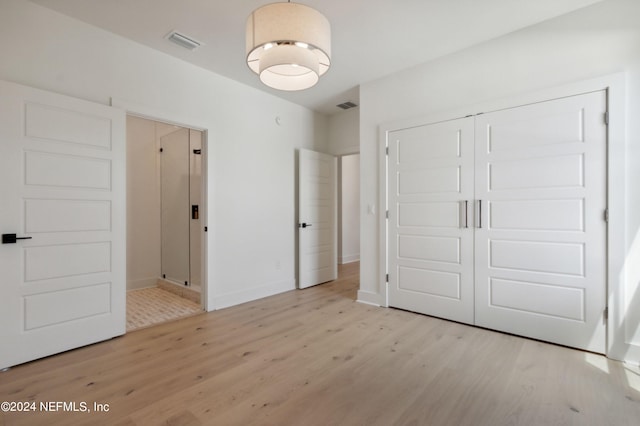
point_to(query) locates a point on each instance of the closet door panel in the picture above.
(540, 255)
(430, 250)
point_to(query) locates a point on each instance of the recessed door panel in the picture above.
(66, 260)
(430, 282)
(66, 171)
(435, 249)
(566, 171)
(537, 215)
(435, 180)
(75, 215)
(428, 142)
(66, 125)
(536, 129)
(543, 299)
(433, 214)
(80, 303)
(538, 256)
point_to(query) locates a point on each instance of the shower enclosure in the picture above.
(180, 200)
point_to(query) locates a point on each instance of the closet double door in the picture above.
(498, 220)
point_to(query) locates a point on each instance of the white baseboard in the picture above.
(254, 293)
(143, 283)
(369, 298)
(350, 259)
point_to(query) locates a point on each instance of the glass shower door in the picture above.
(175, 206)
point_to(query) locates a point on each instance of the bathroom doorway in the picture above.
(164, 225)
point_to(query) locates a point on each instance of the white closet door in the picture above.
(430, 190)
(541, 249)
(62, 183)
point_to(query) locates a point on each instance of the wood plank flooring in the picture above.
(317, 357)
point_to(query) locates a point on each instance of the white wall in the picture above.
(349, 209)
(344, 132)
(250, 158)
(598, 40)
(143, 204)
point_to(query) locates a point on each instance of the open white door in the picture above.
(62, 185)
(317, 228)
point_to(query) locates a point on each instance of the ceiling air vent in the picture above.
(183, 40)
(347, 105)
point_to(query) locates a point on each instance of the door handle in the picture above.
(303, 225)
(12, 238)
(466, 213)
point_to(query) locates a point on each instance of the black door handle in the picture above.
(304, 225)
(12, 238)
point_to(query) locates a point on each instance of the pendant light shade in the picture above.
(288, 45)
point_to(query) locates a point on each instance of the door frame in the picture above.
(205, 126)
(615, 85)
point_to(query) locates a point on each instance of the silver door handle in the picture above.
(466, 213)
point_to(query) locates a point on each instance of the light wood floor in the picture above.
(316, 357)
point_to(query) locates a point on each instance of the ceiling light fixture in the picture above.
(288, 45)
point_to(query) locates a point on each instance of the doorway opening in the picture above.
(348, 209)
(164, 226)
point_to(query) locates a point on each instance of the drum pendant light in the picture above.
(288, 45)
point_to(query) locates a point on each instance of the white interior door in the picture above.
(317, 211)
(541, 248)
(430, 198)
(62, 183)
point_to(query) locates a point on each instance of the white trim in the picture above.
(615, 84)
(206, 126)
(142, 283)
(253, 293)
(368, 303)
(383, 206)
(369, 298)
(350, 258)
(349, 150)
(617, 346)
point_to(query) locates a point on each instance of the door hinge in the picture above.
(387, 278)
(606, 117)
(386, 150)
(606, 215)
(161, 149)
(605, 314)
(205, 229)
(387, 214)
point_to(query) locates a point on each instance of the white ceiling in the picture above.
(370, 38)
